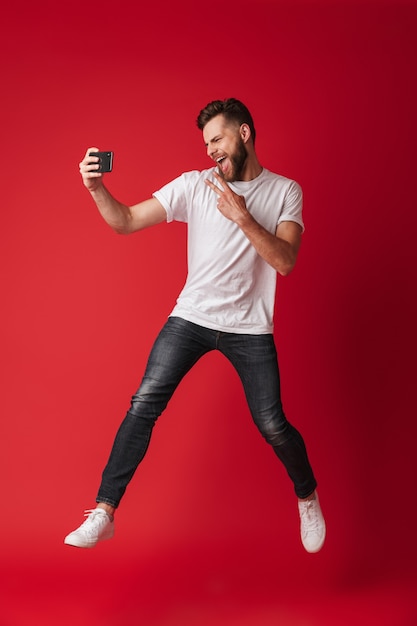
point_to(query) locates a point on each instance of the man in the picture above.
(244, 226)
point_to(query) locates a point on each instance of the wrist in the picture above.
(245, 220)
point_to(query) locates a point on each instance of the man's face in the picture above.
(226, 147)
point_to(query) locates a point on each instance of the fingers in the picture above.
(90, 165)
(214, 187)
(89, 170)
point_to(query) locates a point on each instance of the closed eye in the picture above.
(214, 140)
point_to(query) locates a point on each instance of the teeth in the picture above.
(220, 159)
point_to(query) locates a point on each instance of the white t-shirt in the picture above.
(229, 287)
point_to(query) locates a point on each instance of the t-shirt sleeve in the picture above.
(293, 205)
(173, 198)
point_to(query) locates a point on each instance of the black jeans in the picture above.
(177, 348)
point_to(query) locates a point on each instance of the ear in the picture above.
(245, 132)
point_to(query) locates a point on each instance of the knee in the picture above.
(148, 402)
(138, 412)
(276, 430)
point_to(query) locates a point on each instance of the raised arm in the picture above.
(280, 250)
(121, 218)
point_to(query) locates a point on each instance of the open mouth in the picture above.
(222, 163)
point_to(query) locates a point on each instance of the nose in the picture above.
(211, 150)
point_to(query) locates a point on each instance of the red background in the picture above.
(208, 531)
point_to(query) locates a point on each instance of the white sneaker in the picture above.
(313, 526)
(98, 526)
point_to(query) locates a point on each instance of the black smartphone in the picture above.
(106, 160)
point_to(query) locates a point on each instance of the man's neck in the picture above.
(251, 169)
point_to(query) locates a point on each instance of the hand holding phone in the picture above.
(106, 161)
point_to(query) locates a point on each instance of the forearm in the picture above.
(278, 252)
(117, 215)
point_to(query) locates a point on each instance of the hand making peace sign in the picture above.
(229, 203)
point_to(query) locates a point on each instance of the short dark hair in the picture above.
(232, 109)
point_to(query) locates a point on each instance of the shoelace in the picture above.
(309, 516)
(91, 514)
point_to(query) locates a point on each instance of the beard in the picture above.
(237, 160)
